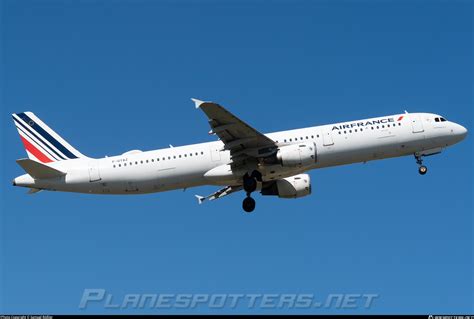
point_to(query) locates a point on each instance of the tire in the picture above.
(423, 170)
(248, 204)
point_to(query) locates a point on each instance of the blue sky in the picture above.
(111, 76)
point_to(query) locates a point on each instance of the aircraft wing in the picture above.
(238, 137)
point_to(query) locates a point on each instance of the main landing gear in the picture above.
(421, 169)
(248, 204)
(250, 185)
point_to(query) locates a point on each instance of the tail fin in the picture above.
(42, 144)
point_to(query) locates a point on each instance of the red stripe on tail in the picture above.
(36, 152)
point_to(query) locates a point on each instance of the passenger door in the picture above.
(94, 174)
(215, 153)
(416, 124)
(327, 137)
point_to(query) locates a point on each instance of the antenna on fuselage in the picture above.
(406, 112)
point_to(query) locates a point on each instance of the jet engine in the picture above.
(296, 155)
(291, 187)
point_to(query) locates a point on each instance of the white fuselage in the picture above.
(187, 166)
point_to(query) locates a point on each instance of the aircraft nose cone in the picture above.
(13, 182)
(461, 131)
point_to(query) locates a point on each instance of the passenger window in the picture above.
(202, 153)
(125, 164)
(179, 156)
(339, 132)
(355, 130)
(114, 166)
(399, 124)
(120, 165)
(312, 136)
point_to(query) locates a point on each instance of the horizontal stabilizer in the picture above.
(38, 170)
(200, 199)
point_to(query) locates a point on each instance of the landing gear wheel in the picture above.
(422, 170)
(248, 204)
(250, 184)
(419, 160)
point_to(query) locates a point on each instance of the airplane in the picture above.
(242, 159)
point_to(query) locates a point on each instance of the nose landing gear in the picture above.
(250, 185)
(421, 169)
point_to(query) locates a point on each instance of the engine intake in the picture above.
(291, 187)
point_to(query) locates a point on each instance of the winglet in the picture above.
(200, 199)
(197, 102)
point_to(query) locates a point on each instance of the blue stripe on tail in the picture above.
(46, 135)
(46, 146)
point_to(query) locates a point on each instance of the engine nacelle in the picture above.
(291, 187)
(295, 155)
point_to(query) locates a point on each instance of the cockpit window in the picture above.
(436, 119)
(443, 119)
